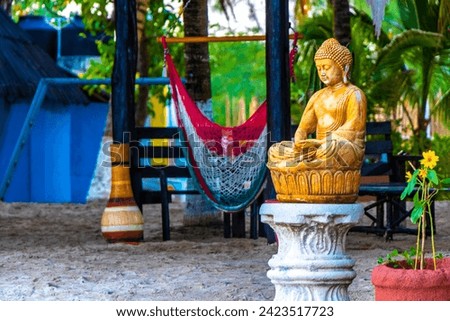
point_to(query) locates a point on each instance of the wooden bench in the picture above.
(385, 170)
(152, 160)
(383, 177)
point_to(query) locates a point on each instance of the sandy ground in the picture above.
(56, 252)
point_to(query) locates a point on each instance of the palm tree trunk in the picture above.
(341, 23)
(143, 62)
(198, 74)
(198, 84)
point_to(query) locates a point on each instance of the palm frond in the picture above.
(409, 14)
(442, 107)
(407, 40)
(444, 17)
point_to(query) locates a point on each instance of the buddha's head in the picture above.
(333, 62)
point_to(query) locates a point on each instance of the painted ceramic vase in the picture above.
(122, 221)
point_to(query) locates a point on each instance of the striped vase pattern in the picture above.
(122, 221)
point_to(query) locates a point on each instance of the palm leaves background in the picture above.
(406, 68)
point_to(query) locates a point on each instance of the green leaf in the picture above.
(432, 176)
(411, 184)
(446, 181)
(416, 200)
(416, 213)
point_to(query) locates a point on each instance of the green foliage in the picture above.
(315, 30)
(158, 22)
(237, 71)
(413, 145)
(396, 259)
(425, 184)
(364, 47)
(414, 67)
(441, 145)
(403, 260)
(48, 9)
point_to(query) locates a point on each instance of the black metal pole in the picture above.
(277, 77)
(277, 74)
(124, 70)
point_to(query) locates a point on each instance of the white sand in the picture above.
(56, 252)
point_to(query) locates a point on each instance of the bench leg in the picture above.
(226, 225)
(238, 224)
(380, 214)
(389, 219)
(255, 219)
(234, 224)
(165, 207)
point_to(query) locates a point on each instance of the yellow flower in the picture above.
(423, 173)
(408, 176)
(430, 159)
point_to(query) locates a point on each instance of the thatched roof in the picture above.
(23, 64)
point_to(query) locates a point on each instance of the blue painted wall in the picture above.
(58, 161)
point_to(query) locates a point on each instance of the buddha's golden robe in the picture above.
(338, 118)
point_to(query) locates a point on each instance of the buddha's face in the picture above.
(329, 72)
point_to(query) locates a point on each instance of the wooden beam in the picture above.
(218, 39)
(124, 70)
(277, 80)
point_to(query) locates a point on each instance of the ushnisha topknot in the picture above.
(332, 49)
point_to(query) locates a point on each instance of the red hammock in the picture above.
(221, 140)
(227, 162)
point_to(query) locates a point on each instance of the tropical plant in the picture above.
(425, 184)
(441, 145)
(238, 72)
(413, 67)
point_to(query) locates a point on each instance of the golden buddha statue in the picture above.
(325, 169)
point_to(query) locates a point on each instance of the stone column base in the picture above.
(311, 264)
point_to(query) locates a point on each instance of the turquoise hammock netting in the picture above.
(228, 163)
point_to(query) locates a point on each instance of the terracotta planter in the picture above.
(413, 285)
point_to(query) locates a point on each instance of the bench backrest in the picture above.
(168, 155)
(378, 152)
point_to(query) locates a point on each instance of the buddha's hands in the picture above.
(306, 149)
(327, 150)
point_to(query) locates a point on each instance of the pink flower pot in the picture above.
(413, 285)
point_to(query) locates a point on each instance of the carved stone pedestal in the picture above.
(311, 264)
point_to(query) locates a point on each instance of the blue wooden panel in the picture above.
(88, 124)
(58, 161)
(4, 111)
(19, 189)
(50, 156)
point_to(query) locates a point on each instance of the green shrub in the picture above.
(441, 145)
